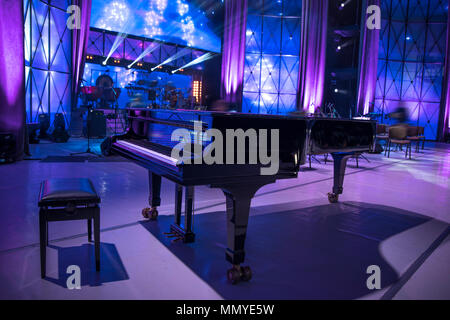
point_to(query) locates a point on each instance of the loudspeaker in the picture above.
(7, 148)
(76, 121)
(59, 122)
(59, 133)
(97, 124)
(44, 125)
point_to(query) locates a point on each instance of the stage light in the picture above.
(343, 4)
(105, 62)
(176, 56)
(336, 90)
(197, 90)
(339, 48)
(146, 52)
(115, 16)
(200, 59)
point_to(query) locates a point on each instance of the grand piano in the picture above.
(148, 142)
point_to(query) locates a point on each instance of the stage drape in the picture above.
(233, 52)
(12, 72)
(444, 122)
(368, 62)
(312, 54)
(79, 44)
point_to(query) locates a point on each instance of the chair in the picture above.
(382, 133)
(422, 136)
(398, 136)
(64, 200)
(415, 136)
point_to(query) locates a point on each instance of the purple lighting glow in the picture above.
(313, 54)
(12, 71)
(233, 55)
(446, 88)
(368, 65)
(79, 42)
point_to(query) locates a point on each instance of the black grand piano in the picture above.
(148, 142)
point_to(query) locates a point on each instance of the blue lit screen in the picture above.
(180, 22)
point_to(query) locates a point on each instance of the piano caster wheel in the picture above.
(333, 198)
(150, 213)
(246, 274)
(238, 274)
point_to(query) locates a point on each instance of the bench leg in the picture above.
(89, 226)
(43, 240)
(97, 238)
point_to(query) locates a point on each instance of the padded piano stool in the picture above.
(64, 200)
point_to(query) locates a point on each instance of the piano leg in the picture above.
(154, 182)
(177, 230)
(340, 163)
(238, 201)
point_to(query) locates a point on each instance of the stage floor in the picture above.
(394, 213)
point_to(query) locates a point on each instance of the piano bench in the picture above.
(65, 200)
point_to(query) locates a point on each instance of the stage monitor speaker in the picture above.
(44, 125)
(59, 122)
(76, 122)
(59, 133)
(7, 148)
(97, 124)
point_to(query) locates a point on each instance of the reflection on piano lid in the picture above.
(161, 157)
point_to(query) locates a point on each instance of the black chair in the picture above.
(65, 200)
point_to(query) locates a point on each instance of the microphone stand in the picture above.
(115, 110)
(88, 120)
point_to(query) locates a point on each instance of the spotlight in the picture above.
(336, 90)
(200, 59)
(104, 62)
(339, 48)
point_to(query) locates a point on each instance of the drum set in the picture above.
(164, 96)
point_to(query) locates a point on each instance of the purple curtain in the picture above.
(12, 72)
(79, 44)
(311, 75)
(368, 63)
(444, 125)
(233, 53)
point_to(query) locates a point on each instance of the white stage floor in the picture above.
(142, 266)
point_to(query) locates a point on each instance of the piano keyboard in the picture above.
(147, 152)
